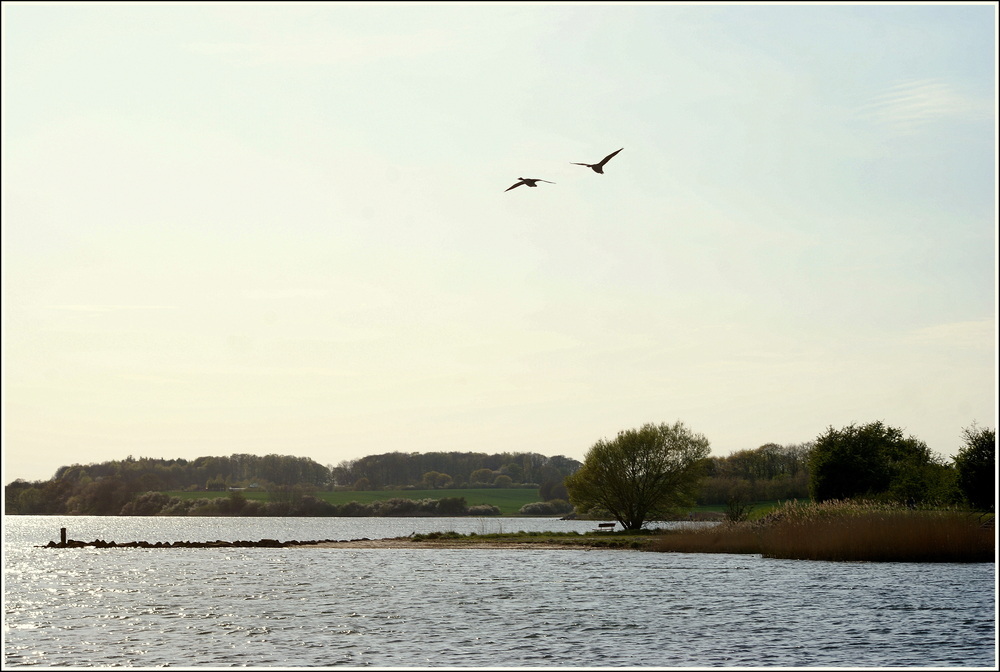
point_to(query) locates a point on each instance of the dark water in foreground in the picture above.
(328, 607)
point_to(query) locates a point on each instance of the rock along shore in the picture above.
(262, 543)
(397, 542)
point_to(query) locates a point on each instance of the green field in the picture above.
(508, 500)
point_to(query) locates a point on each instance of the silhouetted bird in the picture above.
(598, 167)
(530, 181)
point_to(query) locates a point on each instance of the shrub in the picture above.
(451, 506)
(550, 508)
(395, 507)
(737, 510)
(309, 505)
(976, 467)
(148, 504)
(484, 510)
(254, 509)
(178, 507)
(502, 481)
(537, 509)
(560, 506)
(354, 509)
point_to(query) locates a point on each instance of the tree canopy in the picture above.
(464, 469)
(769, 472)
(641, 475)
(106, 488)
(976, 467)
(873, 460)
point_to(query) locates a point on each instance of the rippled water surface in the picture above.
(327, 607)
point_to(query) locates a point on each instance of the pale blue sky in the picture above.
(282, 228)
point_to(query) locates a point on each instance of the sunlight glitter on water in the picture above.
(468, 607)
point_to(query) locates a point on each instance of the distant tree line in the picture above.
(208, 473)
(770, 472)
(110, 488)
(873, 461)
(451, 470)
(106, 488)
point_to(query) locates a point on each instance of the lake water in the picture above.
(329, 607)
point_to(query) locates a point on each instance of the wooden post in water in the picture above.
(62, 535)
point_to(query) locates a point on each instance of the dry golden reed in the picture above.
(846, 530)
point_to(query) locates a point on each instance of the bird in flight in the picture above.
(598, 167)
(530, 181)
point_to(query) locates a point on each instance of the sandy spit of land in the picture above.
(404, 542)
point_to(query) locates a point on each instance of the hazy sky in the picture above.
(283, 228)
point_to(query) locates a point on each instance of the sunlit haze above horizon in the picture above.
(283, 227)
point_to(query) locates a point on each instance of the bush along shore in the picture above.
(858, 531)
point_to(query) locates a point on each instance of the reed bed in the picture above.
(847, 531)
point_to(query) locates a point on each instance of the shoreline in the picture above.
(406, 543)
(519, 543)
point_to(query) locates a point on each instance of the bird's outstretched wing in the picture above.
(609, 157)
(530, 181)
(598, 167)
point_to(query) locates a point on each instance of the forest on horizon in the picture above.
(768, 472)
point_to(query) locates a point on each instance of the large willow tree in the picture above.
(642, 475)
